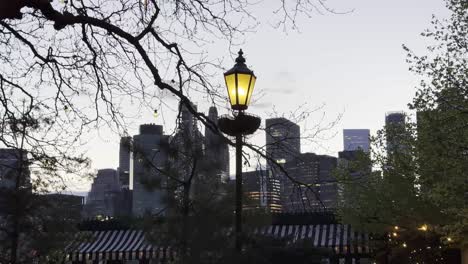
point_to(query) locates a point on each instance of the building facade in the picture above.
(124, 161)
(328, 185)
(14, 169)
(395, 130)
(216, 150)
(263, 190)
(304, 169)
(355, 139)
(187, 161)
(283, 141)
(318, 187)
(104, 190)
(147, 177)
(14, 179)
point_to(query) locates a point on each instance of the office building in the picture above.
(124, 161)
(395, 130)
(14, 178)
(283, 142)
(216, 150)
(123, 203)
(318, 188)
(357, 167)
(187, 147)
(150, 149)
(300, 198)
(14, 167)
(104, 189)
(355, 139)
(263, 190)
(327, 184)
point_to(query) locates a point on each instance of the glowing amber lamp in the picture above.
(240, 82)
(423, 228)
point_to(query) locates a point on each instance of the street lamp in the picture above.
(240, 82)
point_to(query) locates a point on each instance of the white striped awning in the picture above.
(131, 244)
(115, 245)
(341, 239)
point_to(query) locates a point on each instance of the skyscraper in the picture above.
(124, 161)
(216, 151)
(355, 139)
(395, 130)
(357, 166)
(14, 167)
(149, 160)
(104, 190)
(356, 145)
(14, 172)
(262, 189)
(304, 169)
(328, 186)
(283, 142)
(395, 117)
(187, 145)
(318, 185)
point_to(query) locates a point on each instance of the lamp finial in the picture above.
(240, 59)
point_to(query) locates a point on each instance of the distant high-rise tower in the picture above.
(187, 145)
(149, 159)
(395, 118)
(328, 184)
(318, 184)
(14, 167)
(263, 190)
(104, 189)
(14, 172)
(395, 129)
(216, 150)
(355, 139)
(283, 142)
(187, 122)
(124, 161)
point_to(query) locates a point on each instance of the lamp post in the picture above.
(240, 82)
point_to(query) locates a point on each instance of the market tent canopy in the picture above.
(131, 244)
(341, 239)
(114, 245)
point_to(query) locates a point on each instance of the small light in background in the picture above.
(423, 228)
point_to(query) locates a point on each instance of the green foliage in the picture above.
(425, 180)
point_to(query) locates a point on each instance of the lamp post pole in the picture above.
(239, 192)
(240, 82)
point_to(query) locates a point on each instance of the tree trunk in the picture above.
(464, 254)
(185, 220)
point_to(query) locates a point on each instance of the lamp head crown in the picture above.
(240, 66)
(240, 59)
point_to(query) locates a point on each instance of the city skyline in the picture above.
(318, 68)
(237, 131)
(274, 125)
(267, 187)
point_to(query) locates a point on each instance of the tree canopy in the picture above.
(422, 185)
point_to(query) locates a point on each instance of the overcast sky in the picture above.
(353, 64)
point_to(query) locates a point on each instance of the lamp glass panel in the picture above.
(252, 86)
(243, 81)
(231, 87)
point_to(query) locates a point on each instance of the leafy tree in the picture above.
(424, 182)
